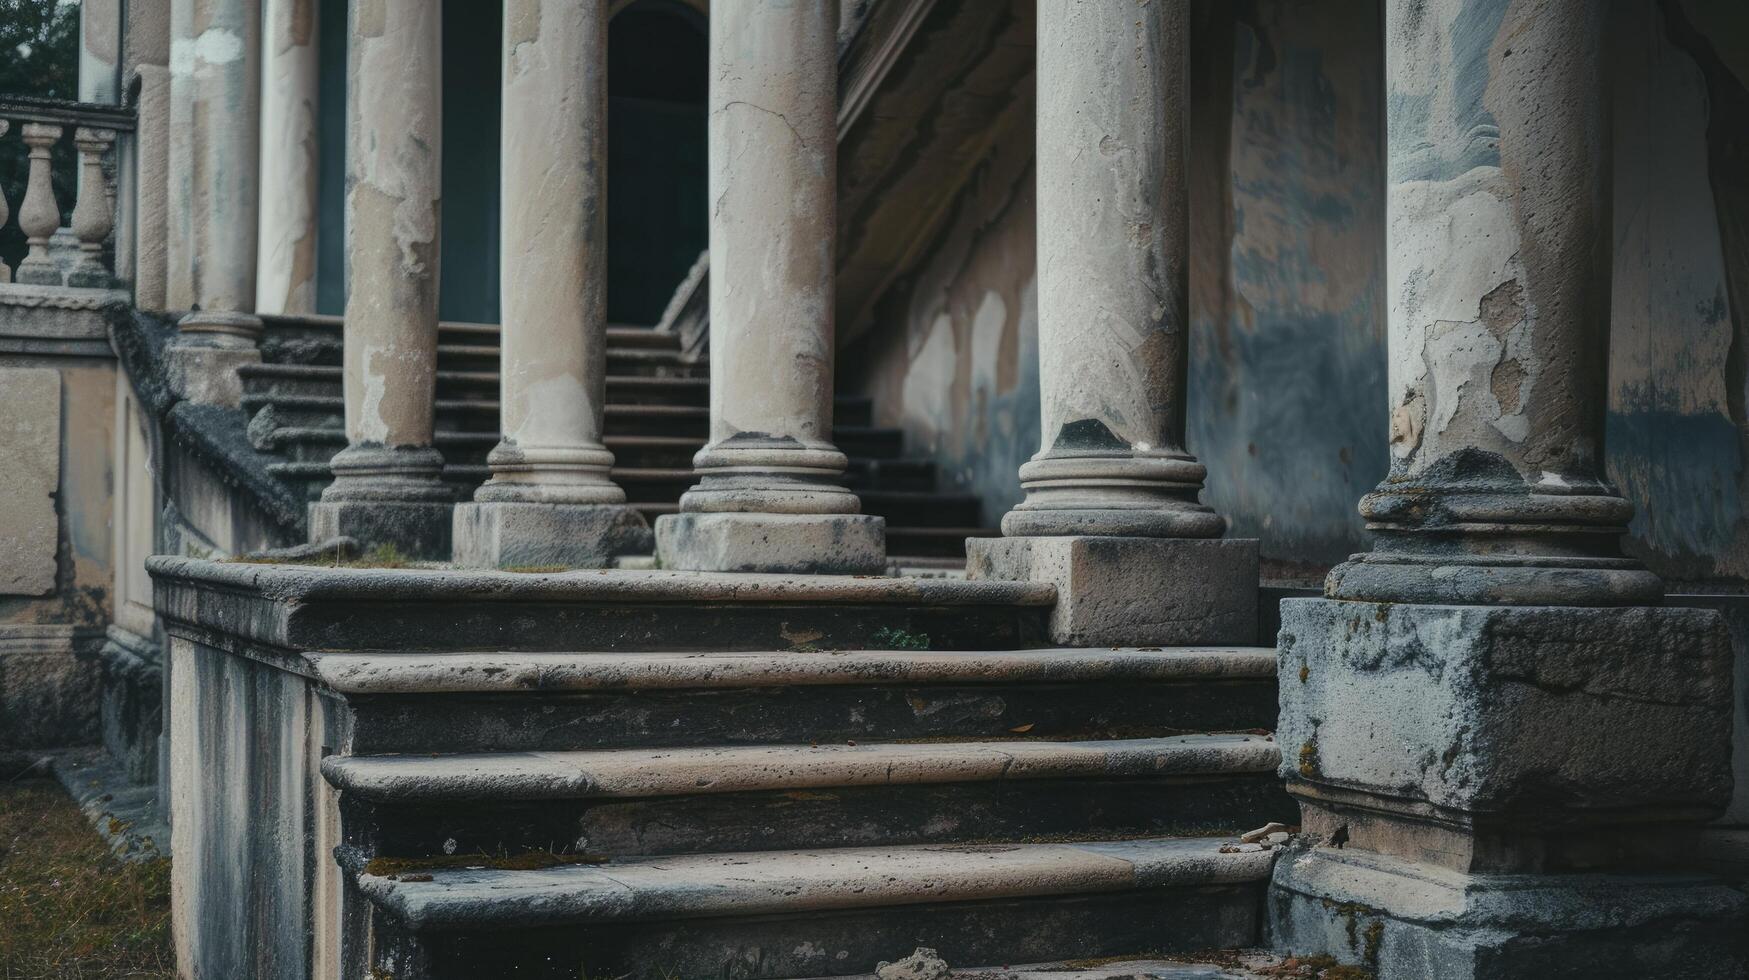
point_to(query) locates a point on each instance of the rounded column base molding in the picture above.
(1114, 494)
(1464, 580)
(388, 474)
(550, 475)
(220, 328)
(750, 473)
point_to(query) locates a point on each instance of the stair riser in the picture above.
(660, 392)
(947, 813)
(942, 511)
(840, 943)
(535, 721)
(327, 353)
(870, 443)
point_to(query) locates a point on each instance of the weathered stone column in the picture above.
(100, 51)
(285, 272)
(1500, 237)
(768, 496)
(1113, 315)
(550, 500)
(388, 488)
(215, 87)
(1502, 747)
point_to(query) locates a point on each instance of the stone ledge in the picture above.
(624, 773)
(790, 882)
(411, 673)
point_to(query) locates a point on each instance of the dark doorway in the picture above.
(658, 78)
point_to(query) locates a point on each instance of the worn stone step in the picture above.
(923, 508)
(933, 542)
(869, 442)
(416, 702)
(325, 379)
(309, 607)
(666, 801)
(479, 414)
(811, 912)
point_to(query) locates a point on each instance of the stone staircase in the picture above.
(657, 417)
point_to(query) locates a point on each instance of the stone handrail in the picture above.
(95, 131)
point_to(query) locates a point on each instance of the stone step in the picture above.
(480, 414)
(473, 346)
(310, 607)
(671, 801)
(324, 379)
(932, 542)
(809, 912)
(473, 702)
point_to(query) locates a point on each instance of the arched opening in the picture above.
(658, 79)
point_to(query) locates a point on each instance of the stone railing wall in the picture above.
(82, 254)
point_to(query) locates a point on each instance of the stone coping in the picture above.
(635, 773)
(791, 882)
(451, 673)
(305, 608)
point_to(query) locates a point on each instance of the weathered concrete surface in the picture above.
(387, 487)
(1500, 230)
(30, 411)
(215, 92)
(285, 277)
(1113, 290)
(521, 534)
(806, 544)
(48, 685)
(773, 154)
(151, 186)
(1408, 921)
(1133, 591)
(100, 51)
(1446, 734)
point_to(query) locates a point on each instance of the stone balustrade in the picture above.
(81, 255)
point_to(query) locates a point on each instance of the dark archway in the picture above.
(658, 79)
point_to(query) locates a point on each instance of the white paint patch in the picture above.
(987, 326)
(928, 388)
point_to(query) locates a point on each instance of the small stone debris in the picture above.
(1263, 833)
(1278, 838)
(923, 964)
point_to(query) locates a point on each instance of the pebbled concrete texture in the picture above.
(1133, 591)
(1469, 713)
(817, 544)
(1405, 920)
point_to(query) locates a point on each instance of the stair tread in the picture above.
(778, 882)
(1100, 969)
(658, 772)
(409, 673)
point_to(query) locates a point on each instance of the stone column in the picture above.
(285, 272)
(215, 86)
(388, 488)
(768, 496)
(1112, 489)
(550, 500)
(1502, 747)
(100, 51)
(1500, 235)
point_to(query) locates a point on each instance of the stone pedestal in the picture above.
(815, 544)
(201, 367)
(389, 498)
(519, 534)
(1472, 778)
(1133, 591)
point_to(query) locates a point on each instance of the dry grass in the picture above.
(68, 909)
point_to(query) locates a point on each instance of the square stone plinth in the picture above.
(1407, 921)
(515, 534)
(1521, 720)
(419, 530)
(816, 544)
(1133, 591)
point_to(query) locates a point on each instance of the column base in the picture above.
(809, 544)
(1133, 591)
(1408, 921)
(206, 374)
(419, 530)
(520, 534)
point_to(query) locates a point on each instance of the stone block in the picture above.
(48, 685)
(1410, 921)
(814, 544)
(1507, 720)
(30, 476)
(417, 529)
(1133, 591)
(518, 534)
(207, 374)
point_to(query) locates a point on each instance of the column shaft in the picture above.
(286, 253)
(550, 501)
(1113, 292)
(768, 496)
(1499, 237)
(216, 79)
(387, 487)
